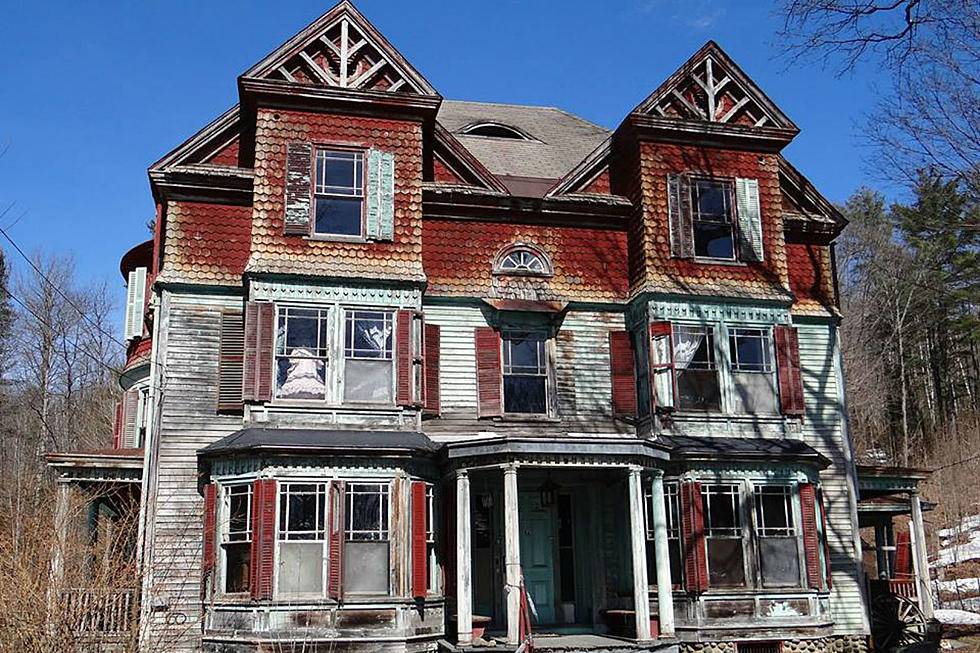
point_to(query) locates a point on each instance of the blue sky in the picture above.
(94, 92)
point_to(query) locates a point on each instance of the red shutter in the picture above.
(403, 357)
(788, 369)
(903, 555)
(811, 538)
(826, 539)
(263, 538)
(260, 330)
(692, 524)
(488, 373)
(623, 374)
(117, 427)
(209, 546)
(419, 558)
(432, 344)
(335, 545)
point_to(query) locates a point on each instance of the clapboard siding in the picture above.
(824, 428)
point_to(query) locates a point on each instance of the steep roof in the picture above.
(555, 140)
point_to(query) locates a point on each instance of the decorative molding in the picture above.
(347, 293)
(750, 471)
(699, 310)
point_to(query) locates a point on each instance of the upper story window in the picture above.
(714, 219)
(338, 192)
(525, 372)
(368, 360)
(698, 385)
(753, 372)
(236, 541)
(523, 260)
(302, 353)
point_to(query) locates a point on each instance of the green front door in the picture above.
(537, 555)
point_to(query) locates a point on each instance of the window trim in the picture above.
(339, 147)
(550, 388)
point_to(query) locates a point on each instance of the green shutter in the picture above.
(749, 219)
(381, 195)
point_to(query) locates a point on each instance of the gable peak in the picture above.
(343, 50)
(710, 87)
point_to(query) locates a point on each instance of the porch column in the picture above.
(641, 590)
(62, 500)
(919, 556)
(665, 589)
(512, 554)
(464, 561)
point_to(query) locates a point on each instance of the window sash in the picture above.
(319, 493)
(244, 534)
(763, 338)
(538, 368)
(522, 261)
(354, 317)
(764, 518)
(715, 498)
(379, 531)
(323, 159)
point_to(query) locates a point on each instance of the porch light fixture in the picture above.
(549, 491)
(486, 500)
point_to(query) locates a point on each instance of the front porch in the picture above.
(570, 530)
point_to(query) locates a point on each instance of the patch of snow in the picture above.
(968, 523)
(959, 584)
(952, 553)
(958, 617)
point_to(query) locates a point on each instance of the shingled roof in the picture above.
(556, 140)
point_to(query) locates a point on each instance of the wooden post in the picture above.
(665, 589)
(919, 556)
(464, 562)
(638, 537)
(512, 554)
(57, 571)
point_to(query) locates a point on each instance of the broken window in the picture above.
(338, 192)
(525, 372)
(672, 506)
(302, 538)
(236, 543)
(697, 372)
(752, 371)
(714, 223)
(366, 551)
(368, 362)
(779, 552)
(723, 535)
(301, 353)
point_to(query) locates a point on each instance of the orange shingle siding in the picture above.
(598, 185)
(442, 173)
(810, 279)
(765, 280)
(206, 243)
(589, 264)
(274, 252)
(227, 156)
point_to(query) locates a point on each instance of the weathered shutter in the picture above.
(130, 413)
(419, 557)
(209, 547)
(811, 538)
(432, 345)
(488, 372)
(662, 366)
(788, 370)
(380, 195)
(135, 303)
(117, 426)
(231, 355)
(260, 327)
(263, 538)
(692, 525)
(826, 538)
(681, 216)
(403, 357)
(335, 541)
(903, 555)
(299, 189)
(749, 219)
(623, 373)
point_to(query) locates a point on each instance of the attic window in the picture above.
(522, 260)
(495, 130)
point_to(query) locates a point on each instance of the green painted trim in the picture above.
(179, 287)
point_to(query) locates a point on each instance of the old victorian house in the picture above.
(409, 374)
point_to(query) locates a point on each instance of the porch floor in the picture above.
(555, 643)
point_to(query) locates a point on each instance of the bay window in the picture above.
(779, 551)
(236, 540)
(753, 372)
(432, 564)
(722, 510)
(302, 348)
(697, 372)
(366, 549)
(302, 537)
(368, 360)
(525, 372)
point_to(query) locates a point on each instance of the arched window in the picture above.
(495, 130)
(523, 259)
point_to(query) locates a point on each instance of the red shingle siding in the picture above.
(226, 156)
(810, 278)
(764, 280)
(599, 185)
(442, 173)
(275, 252)
(206, 243)
(589, 264)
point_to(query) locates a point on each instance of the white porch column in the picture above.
(641, 590)
(665, 596)
(62, 500)
(464, 561)
(512, 554)
(919, 556)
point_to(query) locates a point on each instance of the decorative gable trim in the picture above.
(807, 215)
(211, 139)
(585, 172)
(341, 49)
(461, 162)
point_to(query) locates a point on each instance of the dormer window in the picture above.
(714, 219)
(338, 192)
(523, 260)
(496, 130)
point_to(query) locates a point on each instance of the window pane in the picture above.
(755, 393)
(525, 394)
(780, 561)
(239, 507)
(367, 511)
(301, 353)
(301, 567)
(368, 334)
(712, 200)
(524, 353)
(750, 350)
(366, 380)
(238, 558)
(726, 566)
(366, 567)
(698, 390)
(714, 240)
(299, 377)
(338, 216)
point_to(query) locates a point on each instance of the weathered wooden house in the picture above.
(408, 373)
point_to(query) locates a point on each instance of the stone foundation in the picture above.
(836, 644)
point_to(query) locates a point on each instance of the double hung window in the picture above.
(302, 349)
(368, 361)
(338, 192)
(236, 543)
(302, 537)
(672, 505)
(753, 377)
(525, 372)
(723, 535)
(714, 219)
(366, 551)
(779, 553)
(697, 371)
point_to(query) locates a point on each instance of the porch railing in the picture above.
(902, 587)
(104, 611)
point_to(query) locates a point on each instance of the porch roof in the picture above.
(882, 480)
(91, 465)
(285, 440)
(684, 447)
